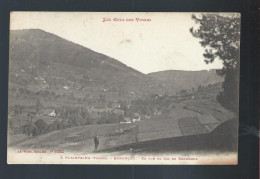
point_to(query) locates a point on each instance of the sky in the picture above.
(163, 42)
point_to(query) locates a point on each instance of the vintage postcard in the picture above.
(123, 88)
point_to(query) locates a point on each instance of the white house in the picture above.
(137, 117)
(53, 113)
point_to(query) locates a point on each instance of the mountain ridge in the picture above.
(41, 54)
(61, 38)
(180, 79)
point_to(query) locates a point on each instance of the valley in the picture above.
(61, 94)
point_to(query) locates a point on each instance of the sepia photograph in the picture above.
(123, 88)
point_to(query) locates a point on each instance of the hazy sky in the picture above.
(164, 43)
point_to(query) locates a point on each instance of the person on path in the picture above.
(96, 141)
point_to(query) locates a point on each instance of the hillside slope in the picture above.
(178, 80)
(41, 59)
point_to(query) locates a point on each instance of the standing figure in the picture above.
(96, 141)
(136, 133)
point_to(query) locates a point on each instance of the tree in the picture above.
(42, 127)
(28, 128)
(220, 36)
(183, 92)
(193, 90)
(47, 93)
(37, 105)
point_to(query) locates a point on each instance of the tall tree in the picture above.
(220, 36)
(42, 127)
(28, 128)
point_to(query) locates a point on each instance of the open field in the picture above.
(79, 139)
(220, 140)
(193, 118)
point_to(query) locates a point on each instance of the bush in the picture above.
(42, 127)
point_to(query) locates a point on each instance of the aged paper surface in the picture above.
(123, 88)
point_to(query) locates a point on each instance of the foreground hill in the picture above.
(197, 115)
(178, 80)
(221, 140)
